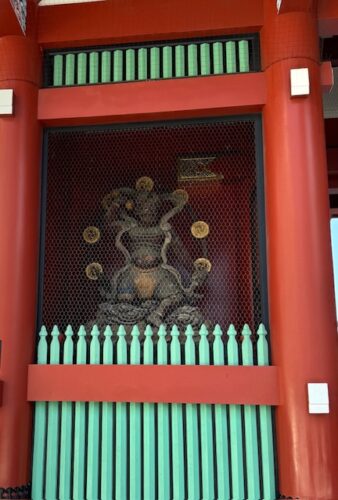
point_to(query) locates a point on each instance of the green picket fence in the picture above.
(148, 451)
(152, 62)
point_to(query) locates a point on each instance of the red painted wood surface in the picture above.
(328, 18)
(167, 384)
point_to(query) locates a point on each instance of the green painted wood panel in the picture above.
(107, 462)
(192, 60)
(217, 50)
(167, 62)
(154, 63)
(58, 70)
(230, 54)
(243, 51)
(93, 67)
(179, 61)
(148, 426)
(118, 66)
(142, 55)
(106, 66)
(163, 460)
(121, 426)
(130, 65)
(135, 426)
(205, 59)
(81, 68)
(70, 69)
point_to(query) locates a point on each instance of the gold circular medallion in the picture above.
(94, 270)
(91, 234)
(203, 263)
(144, 184)
(181, 195)
(109, 199)
(200, 229)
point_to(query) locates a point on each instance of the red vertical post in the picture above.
(302, 312)
(19, 229)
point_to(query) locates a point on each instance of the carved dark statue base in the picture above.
(22, 492)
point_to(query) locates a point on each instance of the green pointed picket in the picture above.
(93, 67)
(221, 426)
(205, 59)
(130, 65)
(179, 61)
(142, 55)
(192, 60)
(167, 61)
(40, 419)
(243, 51)
(135, 426)
(121, 426)
(70, 69)
(207, 457)
(107, 427)
(163, 461)
(58, 70)
(177, 454)
(230, 54)
(236, 431)
(191, 426)
(118, 66)
(53, 427)
(154, 63)
(106, 66)
(250, 424)
(81, 68)
(66, 427)
(80, 425)
(217, 49)
(265, 418)
(148, 427)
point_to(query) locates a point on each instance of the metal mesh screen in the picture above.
(118, 249)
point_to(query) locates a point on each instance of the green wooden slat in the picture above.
(107, 427)
(148, 427)
(135, 426)
(58, 70)
(179, 61)
(217, 51)
(93, 67)
(163, 461)
(236, 432)
(121, 426)
(207, 457)
(265, 418)
(66, 427)
(80, 425)
(70, 69)
(118, 66)
(221, 427)
(192, 60)
(130, 65)
(250, 423)
(243, 51)
(40, 419)
(142, 56)
(167, 62)
(230, 52)
(154, 63)
(82, 68)
(205, 59)
(53, 427)
(106, 66)
(192, 427)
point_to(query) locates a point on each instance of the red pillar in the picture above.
(300, 278)
(19, 229)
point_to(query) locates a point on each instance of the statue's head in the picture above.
(146, 209)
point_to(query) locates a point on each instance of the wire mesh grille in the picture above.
(107, 259)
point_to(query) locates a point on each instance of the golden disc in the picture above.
(203, 263)
(144, 184)
(129, 205)
(94, 270)
(181, 195)
(108, 199)
(200, 229)
(91, 234)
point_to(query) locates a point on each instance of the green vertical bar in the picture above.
(130, 65)
(230, 53)
(236, 438)
(217, 52)
(142, 56)
(148, 427)
(221, 427)
(163, 474)
(177, 453)
(53, 426)
(135, 426)
(250, 424)
(154, 63)
(80, 425)
(57, 70)
(93, 67)
(205, 58)
(39, 428)
(107, 427)
(70, 69)
(179, 61)
(243, 50)
(193, 465)
(81, 68)
(192, 60)
(167, 62)
(106, 66)
(265, 418)
(66, 427)
(121, 426)
(118, 66)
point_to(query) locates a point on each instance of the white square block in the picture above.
(300, 81)
(318, 397)
(6, 101)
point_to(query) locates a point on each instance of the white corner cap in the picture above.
(6, 101)
(300, 81)
(318, 396)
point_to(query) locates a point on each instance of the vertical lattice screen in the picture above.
(213, 161)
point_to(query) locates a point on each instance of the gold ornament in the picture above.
(144, 184)
(200, 229)
(94, 270)
(181, 195)
(91, 234)
(108, 199)
(203, 263)
(129, 205)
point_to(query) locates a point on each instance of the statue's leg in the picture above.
(157, 316)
